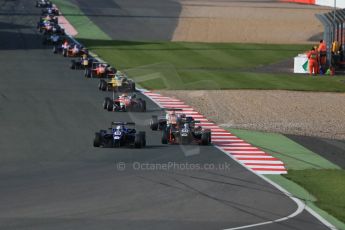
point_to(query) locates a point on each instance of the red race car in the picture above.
(186, 134)
(125, 103)
(100, 70)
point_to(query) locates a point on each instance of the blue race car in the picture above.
(119, 135)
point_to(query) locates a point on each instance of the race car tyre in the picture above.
(104, 85)
(143, 134)
(110, 105)
(139, 140)
(107, 87)
(87, 73)
(154, 123)
(98, 140)
(143, 105)
(164, 137)
(73, 64)
(106, 102)
(100, 85)
(206, 138)
(132, 85)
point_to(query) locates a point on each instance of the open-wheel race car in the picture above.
(169, 118)
(125, 103)
(120, 83)
(120, 135)
(100, 70)
(50, 27)
(43, 3)
(50, 10)
(188, 133)
(83, 62)
(52, 39)
(70, 49)
(46, 21)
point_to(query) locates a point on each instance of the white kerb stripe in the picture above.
(246, 156)
(245, 151)
(261, 162)
(226, 145)
(267, 167)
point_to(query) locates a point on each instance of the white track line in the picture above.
(300, 205)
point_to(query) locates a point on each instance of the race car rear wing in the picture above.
(190, 122)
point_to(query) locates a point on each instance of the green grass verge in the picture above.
(313, 179)
(301, 193)
(328, 186)
(193, 55)
(85, 27)
(183, 65)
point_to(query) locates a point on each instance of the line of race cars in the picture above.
(176, 127)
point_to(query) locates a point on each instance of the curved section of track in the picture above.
(52, 178)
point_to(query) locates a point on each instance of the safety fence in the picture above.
(333, 23)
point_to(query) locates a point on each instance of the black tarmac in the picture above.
(51, 177)
(331, 149)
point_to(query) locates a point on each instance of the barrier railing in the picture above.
(333, 23)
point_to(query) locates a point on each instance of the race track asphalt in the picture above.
(51, 177)
(332, 150)
(149, 20)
